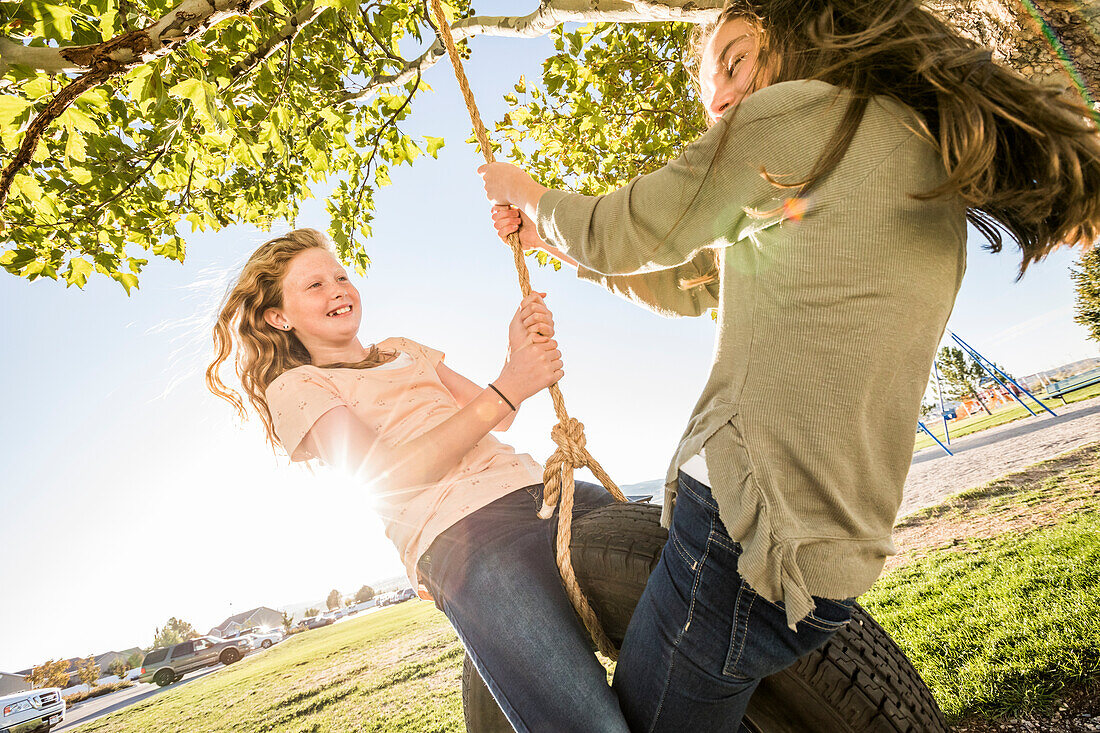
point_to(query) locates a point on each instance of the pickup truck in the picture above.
(33, 710)
(168, 664)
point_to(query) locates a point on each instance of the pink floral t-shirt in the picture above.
(400, 402)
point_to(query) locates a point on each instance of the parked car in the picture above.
(262, 639)
(404, 595)
(318, 621)
(31, 710)
(168, 664)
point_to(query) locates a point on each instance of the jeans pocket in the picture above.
(830, 615)
(762, 644)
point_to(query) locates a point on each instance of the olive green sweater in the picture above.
(828, 321)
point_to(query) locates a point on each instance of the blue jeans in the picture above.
(701, 638)
(494, 575)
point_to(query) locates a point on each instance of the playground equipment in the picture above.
(993, 371)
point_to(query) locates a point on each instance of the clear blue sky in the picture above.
(130, 494)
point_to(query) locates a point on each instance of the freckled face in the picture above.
(319, 301)
(727, 66)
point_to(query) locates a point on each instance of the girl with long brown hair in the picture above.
(824, 216)
(460, 506)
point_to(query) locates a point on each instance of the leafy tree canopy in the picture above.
(50, 674)
(125, 122)
(173, 632)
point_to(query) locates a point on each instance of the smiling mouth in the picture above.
(343, 310)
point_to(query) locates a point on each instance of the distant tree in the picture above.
(364, 594)
(174, 632)
(134, 660)
(310, 613)
(88, 671)
(119, 668)
(1086, 283)
(333, 600)
(926, 408)
(288, 621)
(961, 374)
(50, 674)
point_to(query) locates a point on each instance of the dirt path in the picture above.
(992, 453)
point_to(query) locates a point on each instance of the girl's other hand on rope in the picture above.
(507, 220)
(529, 370)
(533, 323)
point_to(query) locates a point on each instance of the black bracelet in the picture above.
(506, 400)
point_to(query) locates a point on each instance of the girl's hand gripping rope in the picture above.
(532, 323)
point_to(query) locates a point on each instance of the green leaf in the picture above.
(75, 148)
(126, 279)
(14, 260)
(74, 119)
(27, 187)
(433, 145)
(11, 107)
(55, 22)
(38, 87)
(201, 95)
(81, 175)
(77, 274)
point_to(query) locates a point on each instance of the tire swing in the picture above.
(859, 682)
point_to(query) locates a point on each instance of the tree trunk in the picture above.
(1042, 39)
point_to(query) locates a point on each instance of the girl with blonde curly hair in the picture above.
(459, 505)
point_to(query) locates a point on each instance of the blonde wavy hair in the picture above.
(1024, 159)
(263, 352)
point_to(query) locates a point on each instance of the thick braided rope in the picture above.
(568, 434)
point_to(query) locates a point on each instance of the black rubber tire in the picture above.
(265, 644)
(164, 677)
(229, 656)
(859, 682)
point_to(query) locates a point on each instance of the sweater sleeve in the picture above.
(660, 290)
(697, 201)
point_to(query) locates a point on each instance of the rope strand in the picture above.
(568, 434)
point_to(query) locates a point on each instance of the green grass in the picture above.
(996, 627)
(981, 421)
(394, 670)
(1004, 626)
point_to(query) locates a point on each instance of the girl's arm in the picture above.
(659, 291)
(663, 219)
(340, 439)
(466, 391)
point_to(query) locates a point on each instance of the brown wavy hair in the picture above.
(1022, 157)
(263, 352)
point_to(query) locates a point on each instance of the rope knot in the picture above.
(569, 436)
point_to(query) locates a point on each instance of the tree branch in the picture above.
(540, 22)
(188, 20)
(39, 124)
